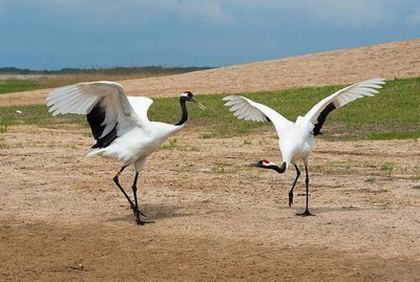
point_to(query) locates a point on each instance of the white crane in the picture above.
(119, 124)
(296, 139)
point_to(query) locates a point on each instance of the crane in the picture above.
(119, 124)
(296, 139)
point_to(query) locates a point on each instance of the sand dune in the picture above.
(389, 60)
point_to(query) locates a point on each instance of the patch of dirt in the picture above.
(215, 217)
(389, 60)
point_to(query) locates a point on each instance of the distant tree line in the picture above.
(110, 71)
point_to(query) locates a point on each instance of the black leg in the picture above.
(294, 183)
(136, 209)
(306, 212)
(117, 182)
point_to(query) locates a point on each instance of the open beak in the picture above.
(201, 106)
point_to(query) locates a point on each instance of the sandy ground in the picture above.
(390, 60)
(215, 217)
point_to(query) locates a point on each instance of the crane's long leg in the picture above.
(136, 209)
(117, 182)
(306, 212)
(294, 183)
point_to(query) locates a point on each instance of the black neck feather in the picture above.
(184, 112)
(278, 169)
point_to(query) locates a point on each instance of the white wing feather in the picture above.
(345, 96)
(246, 109)
(140, 105)
(82, 97)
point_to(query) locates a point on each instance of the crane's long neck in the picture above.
(278, 169)
(184, 112)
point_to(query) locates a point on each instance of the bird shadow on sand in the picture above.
(160, 211)
(154, 212)
(325, 210)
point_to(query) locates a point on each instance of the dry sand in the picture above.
(215, 217)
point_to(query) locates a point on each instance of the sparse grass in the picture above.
(2, 142)
(415, 177)
(173, 144)
(370, 180)
(3, 128)
(392, 114)
(246, 142)
(335, 168)
(222, 168)
(387, 167)
(208, 135)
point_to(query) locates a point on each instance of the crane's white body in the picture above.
(138, 143)
(137, 137)
(297, 142)
(296, 139)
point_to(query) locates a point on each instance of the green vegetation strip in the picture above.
(17, 85)
(392, 114)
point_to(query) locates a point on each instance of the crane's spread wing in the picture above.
(104, 103)
(320, 111)
(246, 109)
(140, 105)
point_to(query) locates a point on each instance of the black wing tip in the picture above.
(322, 117)
(95, 118)
(107, 139)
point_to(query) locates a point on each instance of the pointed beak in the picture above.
(201, 106)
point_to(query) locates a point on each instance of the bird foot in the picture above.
(139, 221)
(305, 213)
(138, 215)
(135, 210)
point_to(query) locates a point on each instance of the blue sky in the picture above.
(52, 34)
